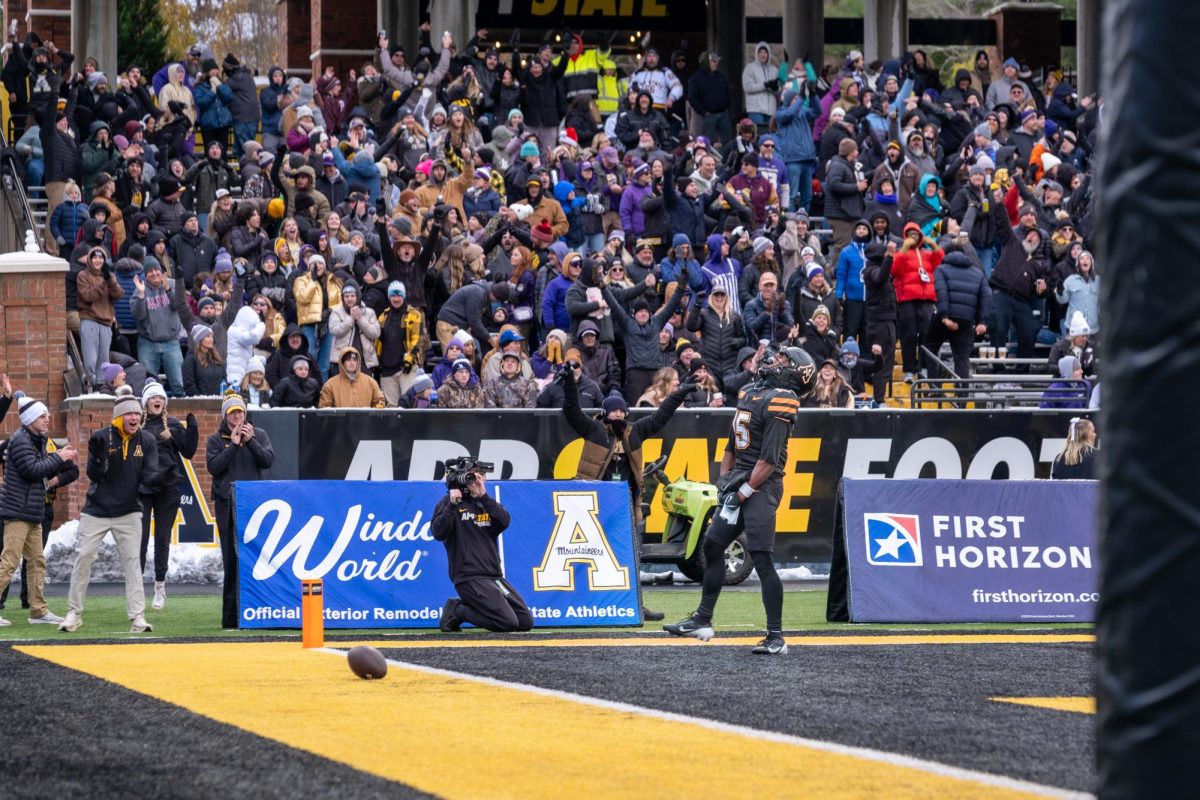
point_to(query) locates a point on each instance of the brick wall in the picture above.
(55, 29)
(342, 25)
(295, 30)
(83, 416)
(33, 328)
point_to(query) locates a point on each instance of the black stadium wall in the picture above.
(539, 445)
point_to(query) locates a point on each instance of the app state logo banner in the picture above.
(579, 539)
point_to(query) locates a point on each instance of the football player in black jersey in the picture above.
(750, 487)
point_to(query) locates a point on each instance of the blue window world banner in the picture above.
(569, 552)
(965, 551)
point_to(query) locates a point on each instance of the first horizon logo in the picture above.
(893, 540)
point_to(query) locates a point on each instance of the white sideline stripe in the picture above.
(893, 759)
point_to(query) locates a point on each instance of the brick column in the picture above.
(343, 34)
(33, 330)
(51, 20)
(1029, 32)
(295, 29)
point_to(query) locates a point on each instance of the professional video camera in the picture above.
(460, 472)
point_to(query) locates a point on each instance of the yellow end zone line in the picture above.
(726, 641)
(1075, 705)
(878, 756)
(399, 729)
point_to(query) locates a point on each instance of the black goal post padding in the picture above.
(1147, 228)
(837, 603)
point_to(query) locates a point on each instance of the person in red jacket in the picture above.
(916, 297)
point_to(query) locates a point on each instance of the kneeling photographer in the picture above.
(467, 520)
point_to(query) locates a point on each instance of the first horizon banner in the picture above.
(966, 551)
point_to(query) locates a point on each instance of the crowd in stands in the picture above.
(456, 226)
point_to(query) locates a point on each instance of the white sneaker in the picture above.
(72, 623)
(49, 619)
(160, 597)
(139, 625)
(908, 377)
(4, 623)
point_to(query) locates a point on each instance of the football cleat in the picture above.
(770, 646)
(693, 627)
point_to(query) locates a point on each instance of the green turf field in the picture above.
(194, 616)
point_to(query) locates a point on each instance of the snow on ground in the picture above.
(189, 563)
(800, 572)
(192, 563)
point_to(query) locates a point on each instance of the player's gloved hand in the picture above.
(191, 421)
(685, 389)
(567, 375)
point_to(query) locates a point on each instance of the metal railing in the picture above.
(934, 364)
(1000, 391)
(20, 217)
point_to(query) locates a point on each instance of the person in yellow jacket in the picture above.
(584, 67)
(317, 291)
(612, 87)
(351, 387)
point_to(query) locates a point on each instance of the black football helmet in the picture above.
(790, 368)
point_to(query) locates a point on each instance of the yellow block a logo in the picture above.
(578, 538)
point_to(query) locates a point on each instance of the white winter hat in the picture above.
(1050, 161)
(1079, 325)
(31, 410)
(153, 389)
(256, 364)
(522, 210)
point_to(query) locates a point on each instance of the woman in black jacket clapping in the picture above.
(722, 332)
(176, 442)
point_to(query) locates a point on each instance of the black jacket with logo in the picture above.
(469, 529)
(120, 468)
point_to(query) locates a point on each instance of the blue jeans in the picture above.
(35, 174)
(594, 243)
(1012, 311)
(318, 348)
(988, 257)
(243, 132)
(164, 357)
(759, 119)
(800, 174)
